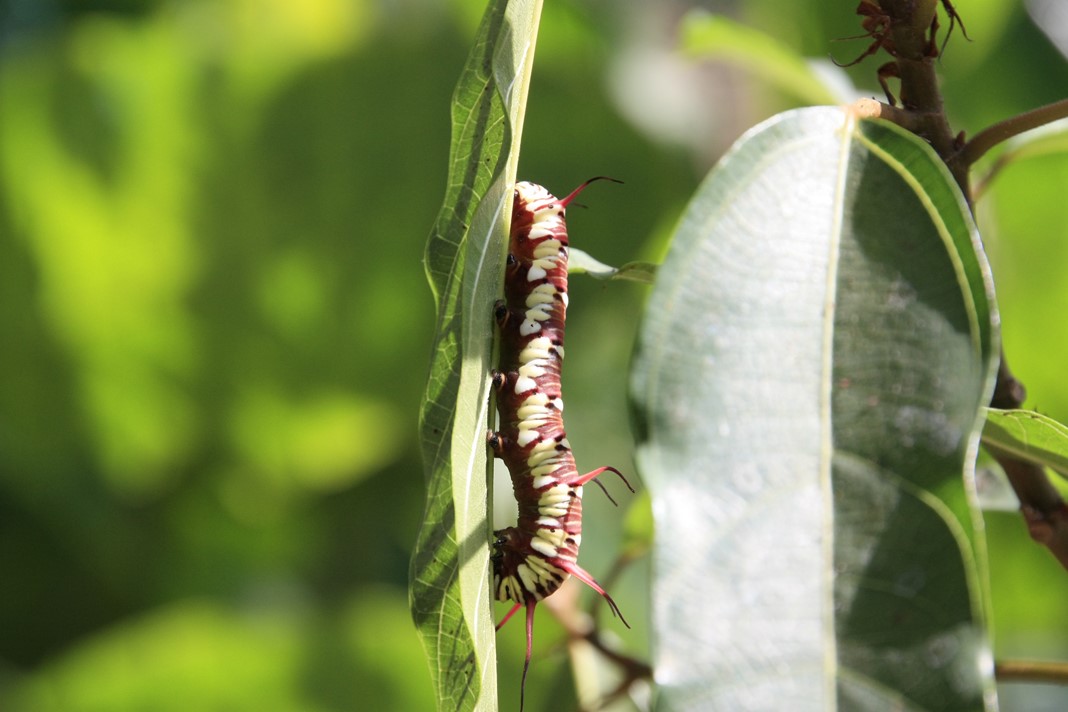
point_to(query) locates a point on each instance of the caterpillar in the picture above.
(532, 559)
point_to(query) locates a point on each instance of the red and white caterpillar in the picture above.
(533, 559)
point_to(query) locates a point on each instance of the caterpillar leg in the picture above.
(497, 443)
(508, 616)
(502, 314)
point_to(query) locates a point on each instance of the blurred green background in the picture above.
(214, 324)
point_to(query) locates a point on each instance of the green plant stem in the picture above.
(1004, 130)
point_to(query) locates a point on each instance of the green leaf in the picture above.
(450, 588)
(807, 387)
(580, 262)
(717, 37)
(1027, 435)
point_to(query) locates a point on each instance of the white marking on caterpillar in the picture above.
(526, 437)
(543, 547)
(539, 348)
(540, 312)
(532, 369)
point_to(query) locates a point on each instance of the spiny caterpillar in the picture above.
(532, 559)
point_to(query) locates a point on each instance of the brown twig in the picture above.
(872, 109)
(1004, 130)
(908, 34)
(1009, 393)
(1031, 671)
(1043, 509)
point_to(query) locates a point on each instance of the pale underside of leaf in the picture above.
(581, 262)
(808, 380)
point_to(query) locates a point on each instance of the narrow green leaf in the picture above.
(807, 386)
(580, 262)
(1029, 436)
(717, 37)
(450, 588)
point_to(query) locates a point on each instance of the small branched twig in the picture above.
(583, 629)
(632, 668)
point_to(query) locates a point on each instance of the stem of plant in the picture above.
(1004, 130)
(920, 94)
(1031, 671)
